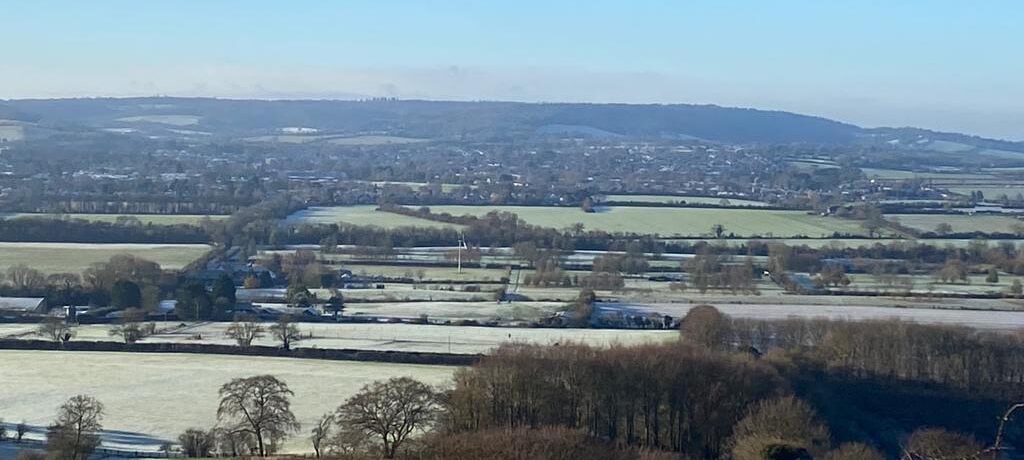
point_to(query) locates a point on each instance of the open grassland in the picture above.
(335, 139)
(925, 311)
(361, 215)
(897, 174)
(991, 191)
(378, 336)
(644, 220)
(173, 120)
(76, 257)
(155, 397)
(687, 199)
(432, 273)
(375, 140)
(155, 219)
(926, 284)
(673, 221)
(960, 223)
(818, 243)
(11, 133)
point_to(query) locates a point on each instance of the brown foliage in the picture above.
(854, 451)
(676, 397)
(782, 421)
(546, 443)
(939, 444)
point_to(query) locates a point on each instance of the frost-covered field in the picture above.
(379, 336)
(992, 320)
(75, 257)
(150, 398)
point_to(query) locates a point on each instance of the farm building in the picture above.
(23, 305)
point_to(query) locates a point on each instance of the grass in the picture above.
(361, 215)
(173, 120)
(991, 192)
(846, 242)
(682, 222)
(155, 219)
(12, 132)
(674, 221)
(161, 395)
(898, 174)
(76, 257)
(335, 139)
(431, 273)
(688, 199)
(927, 283)
(960, 223)
(374, 140)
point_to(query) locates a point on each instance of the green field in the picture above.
(76, 257)
(335, 139)
(960, 223)
(847, 242)
(155, 219)
(374, 140)
(646, 220)
(991, 192)
(688, 199)
(674, 221)
(361, 215)
(173, 120)
(897, 174)
(12, 133)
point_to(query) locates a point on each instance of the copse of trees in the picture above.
(34, 229)
(656, 396)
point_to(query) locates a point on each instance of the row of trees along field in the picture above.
(821, 390)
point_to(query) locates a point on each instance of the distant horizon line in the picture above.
(497, 101)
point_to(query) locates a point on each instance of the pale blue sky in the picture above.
(951, 65)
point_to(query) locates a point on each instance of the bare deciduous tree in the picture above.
(244, 330)
(55, 329)
(259, 406)
(132, 329)
(320, 433)
(196, 442)
(75, 433)
(390, 411)
(286, 332)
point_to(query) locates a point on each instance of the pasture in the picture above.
(664, 221)
(960, 222)
(11, 133)
(818, 243)
(335, 139)
(674, 221)
(145, 219)
(688, 199)
(380, 336)
(360, 215)
(992, 192)
(152, 398)
(173, 120)
(76, 257)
